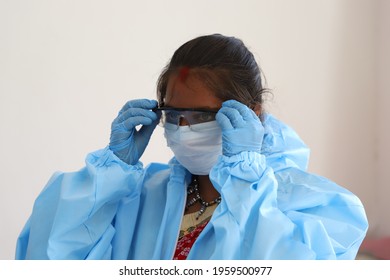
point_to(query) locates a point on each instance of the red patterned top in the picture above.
(185, 243)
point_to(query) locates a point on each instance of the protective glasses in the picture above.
(172, 118)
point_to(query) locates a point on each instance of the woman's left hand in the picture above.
(242, 129)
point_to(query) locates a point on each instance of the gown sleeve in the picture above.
(288, 214)
(73, 216)
(272, 208)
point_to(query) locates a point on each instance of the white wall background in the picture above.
(67, 67)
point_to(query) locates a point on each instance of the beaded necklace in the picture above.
(193, 188)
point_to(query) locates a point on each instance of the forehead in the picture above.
(189, 92)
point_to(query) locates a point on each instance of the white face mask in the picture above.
(197, 150)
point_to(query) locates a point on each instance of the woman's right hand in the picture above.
(126, 141)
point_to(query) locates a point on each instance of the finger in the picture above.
(134, 112)
(147, 130)
(223, 121)
(140, 103)
(245, 111)
(233, 115)
(132, 122)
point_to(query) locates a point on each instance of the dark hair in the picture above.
(224, 64)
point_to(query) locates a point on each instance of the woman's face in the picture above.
(189, 92)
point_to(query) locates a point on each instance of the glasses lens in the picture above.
(171, 118)
(197, 117)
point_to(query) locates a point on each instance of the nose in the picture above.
(183, 122)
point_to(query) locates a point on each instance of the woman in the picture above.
(237, 187)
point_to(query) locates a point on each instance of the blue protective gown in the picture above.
(271, 208)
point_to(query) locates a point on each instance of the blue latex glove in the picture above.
(126, 141)
(242, 130)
